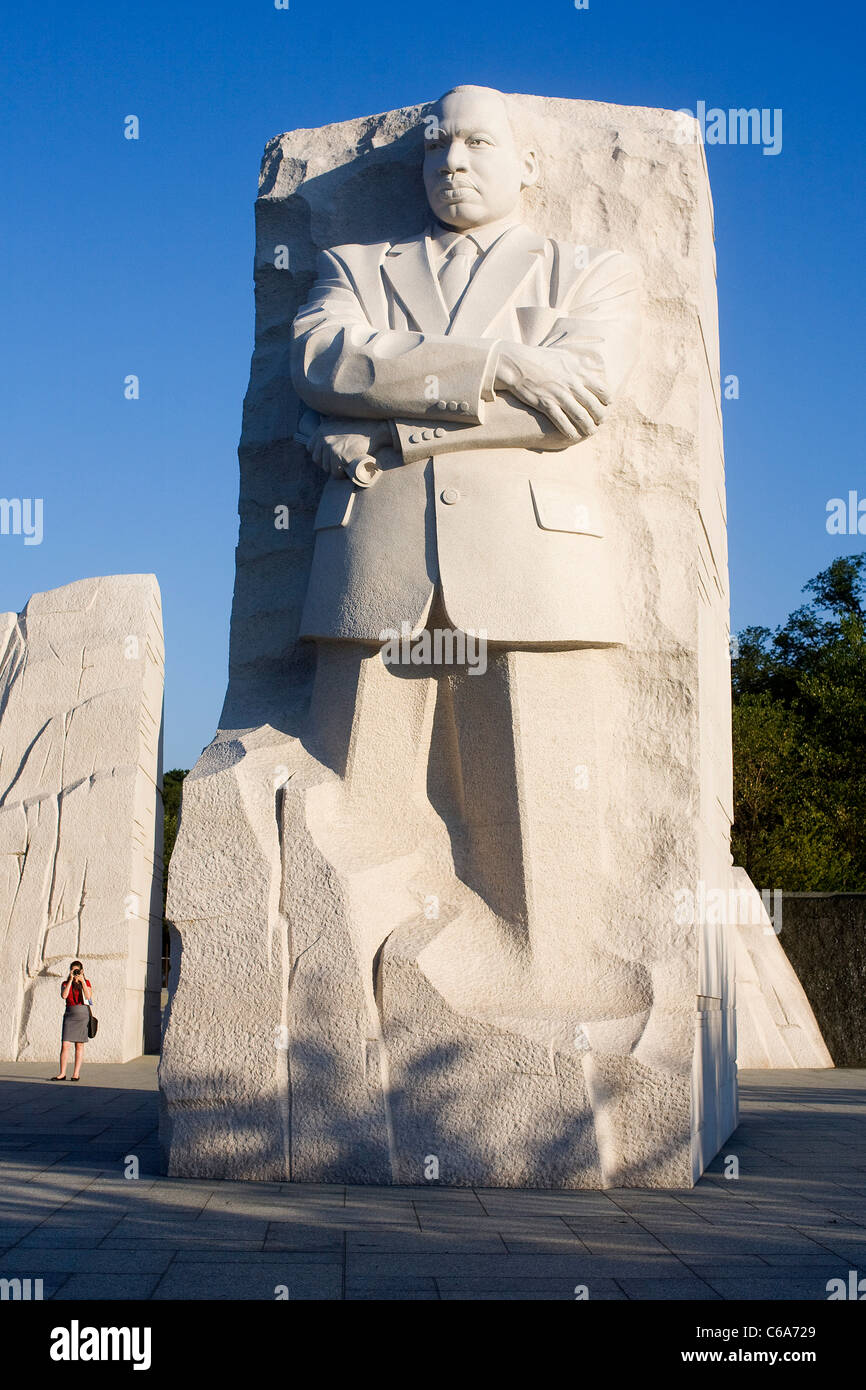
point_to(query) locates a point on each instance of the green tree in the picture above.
(799, 725)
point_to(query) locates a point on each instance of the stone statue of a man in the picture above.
(447, 828)
(456, 376)
(470, 362)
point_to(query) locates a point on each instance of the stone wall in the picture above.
(824, 936)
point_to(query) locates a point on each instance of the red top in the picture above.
(75, 996)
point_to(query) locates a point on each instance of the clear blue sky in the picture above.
(136, 257)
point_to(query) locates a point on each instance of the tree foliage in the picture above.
(799, 724)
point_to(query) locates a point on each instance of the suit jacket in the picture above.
(483, 495)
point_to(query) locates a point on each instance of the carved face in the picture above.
(473, 171)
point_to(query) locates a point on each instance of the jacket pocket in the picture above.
(335, 506)
(559, 507)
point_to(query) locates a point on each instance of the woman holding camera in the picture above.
(77, 992)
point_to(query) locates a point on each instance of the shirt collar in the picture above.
(443, 238)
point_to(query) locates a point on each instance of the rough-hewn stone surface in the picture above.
(81, 681)
(824, 935)
(287, 1052)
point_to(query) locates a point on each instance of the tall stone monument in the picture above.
(476, 739)
(81, 681)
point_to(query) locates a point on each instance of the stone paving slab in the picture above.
(81, 1259)
(251, 1281)
(109, 1286)
(526, 1292)
(670, 1289)
(794, 1218)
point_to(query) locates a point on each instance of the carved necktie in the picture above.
(456, 271)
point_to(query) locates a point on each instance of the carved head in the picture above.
(473, 168)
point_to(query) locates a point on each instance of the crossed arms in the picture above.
(424, 394)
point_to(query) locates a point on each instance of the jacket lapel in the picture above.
(501, 272)
(407, 267)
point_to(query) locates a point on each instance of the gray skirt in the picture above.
(75, 1022)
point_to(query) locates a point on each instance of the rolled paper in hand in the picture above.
(364, 472)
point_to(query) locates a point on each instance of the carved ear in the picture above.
(530, 168)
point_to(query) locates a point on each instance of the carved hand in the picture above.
(337, 444)
(550, 380)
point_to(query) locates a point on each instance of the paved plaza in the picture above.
(793, 1218)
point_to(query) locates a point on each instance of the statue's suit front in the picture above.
(480, 493)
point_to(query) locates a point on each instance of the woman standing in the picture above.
(77, 992)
